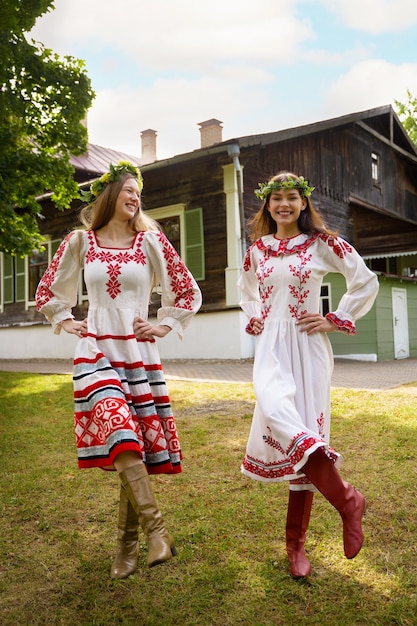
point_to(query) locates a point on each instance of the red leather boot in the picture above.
(298, 517)
(350, 503)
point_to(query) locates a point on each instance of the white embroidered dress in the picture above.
(281, 279)
(120, 395)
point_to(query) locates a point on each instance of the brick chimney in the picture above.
(148, 138)
(211, 132)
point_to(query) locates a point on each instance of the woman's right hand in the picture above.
(255, 326)
(74, 327)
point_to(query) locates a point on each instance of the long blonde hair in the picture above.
(309, 221)
(99, 213)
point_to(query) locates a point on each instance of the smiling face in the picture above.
(128, 201)
(285, 206)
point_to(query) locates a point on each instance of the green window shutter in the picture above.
(8, 283)
(194, 243)
(20, 265)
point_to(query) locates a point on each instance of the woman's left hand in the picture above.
(315, 323)
(145, 330)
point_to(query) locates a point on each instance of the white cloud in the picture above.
(184, 34)
(174, 108)
(370, 84)
(170, 65)
(375, 16)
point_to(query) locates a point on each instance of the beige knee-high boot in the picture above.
(136, 481)
(298, 517)
(126, 558)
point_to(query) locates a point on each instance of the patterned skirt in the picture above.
(123, 405)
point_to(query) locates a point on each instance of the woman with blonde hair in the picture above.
(123, 418)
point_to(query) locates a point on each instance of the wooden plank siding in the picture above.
(198, 183)
(379, 217)
(366, 339)
(385, 328)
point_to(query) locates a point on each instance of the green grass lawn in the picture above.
(58, 524)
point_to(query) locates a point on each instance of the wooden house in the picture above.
(364, 170)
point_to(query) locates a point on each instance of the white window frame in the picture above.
(375, 167)
(47, 242)
(328, 297)
(172, 210)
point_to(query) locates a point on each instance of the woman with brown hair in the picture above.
(280, 286)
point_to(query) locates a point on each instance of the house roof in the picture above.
(97, 159)
(382, 121)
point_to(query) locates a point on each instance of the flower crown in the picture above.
(113, 175)
(265, 189)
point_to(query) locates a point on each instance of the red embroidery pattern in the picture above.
(297, 292)
(344, 326)
(109, 414)
(181, 283)
(249, 326)
(339, 247)
(282, 469)
(43, 292)
(265, 292)
(247, 264)
(283, 246)
(247, 260)
(320, 425)
(114, 261)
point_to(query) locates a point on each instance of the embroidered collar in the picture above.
(273, 246)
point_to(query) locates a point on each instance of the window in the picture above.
(8, 279)
(325, 299)
(20, 279)
(172, 229)
(184, 229)
(386, 265)
(20, 276)
(38, 262)
(375, 167)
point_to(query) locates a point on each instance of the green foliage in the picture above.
(265, 189)
(408, 115)
(43, 101)
(115, 173)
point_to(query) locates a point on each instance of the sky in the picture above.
(258, 66)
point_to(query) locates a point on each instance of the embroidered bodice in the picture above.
(118, 281)
(282, 279)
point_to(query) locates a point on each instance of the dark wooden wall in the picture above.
(336, 161)
(198, 184)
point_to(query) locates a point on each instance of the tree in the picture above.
(408, 116)
(43, 102)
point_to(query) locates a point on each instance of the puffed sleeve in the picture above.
(181, 296)
(56, 293)
(250, 300)
(361, 284)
